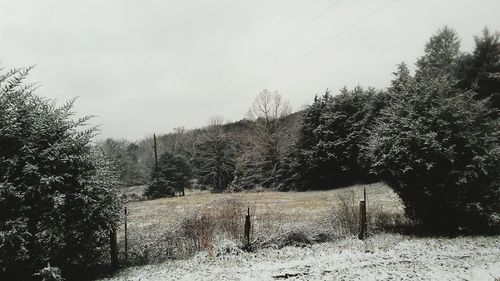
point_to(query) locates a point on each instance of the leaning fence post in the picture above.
(113, 249)
(247, 229)
(126, 240)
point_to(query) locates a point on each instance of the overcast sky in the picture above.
(150, 66)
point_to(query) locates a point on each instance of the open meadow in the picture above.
(178, 227)
(296, 236)
(277, 208)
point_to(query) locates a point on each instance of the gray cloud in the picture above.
(150, 66)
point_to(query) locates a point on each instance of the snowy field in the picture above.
(382, 257)
(154, 226)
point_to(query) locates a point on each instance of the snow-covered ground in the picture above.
(382, 257)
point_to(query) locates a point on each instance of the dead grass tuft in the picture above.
(198, 230)
(216, 221)
(229, 214)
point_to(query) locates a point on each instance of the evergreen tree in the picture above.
(480, 71)
(442, 54)
(214, 158)
(134, 171)
(124, 157)
(58, 197)
(171, 175)
(402, 79)
(333, 130)
(434, 147)
(306, 168)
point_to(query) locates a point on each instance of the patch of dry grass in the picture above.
(163, 228)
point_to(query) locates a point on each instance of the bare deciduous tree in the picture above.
(265, 141)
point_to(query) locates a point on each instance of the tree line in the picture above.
(432, 136)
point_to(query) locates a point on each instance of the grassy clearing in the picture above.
(178, 227)
(295, 207)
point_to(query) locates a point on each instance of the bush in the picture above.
(199, 229)
(58, 197)
(222, 219)
(49, 273)
(297, 238)
(435, 147)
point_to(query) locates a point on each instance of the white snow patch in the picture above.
(382, 257)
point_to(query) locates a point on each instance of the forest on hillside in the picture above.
(332, 142)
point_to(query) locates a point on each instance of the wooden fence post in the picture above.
(247, 229)
(114, 249)
(362, 220)
(366, 211)
(126, 238)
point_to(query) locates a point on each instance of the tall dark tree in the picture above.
(402, 79)
(171, 175)
(134, 173)
(435, 148)
(214, 158)
(480, 71)
(58, 196)
(442, 54)
(306, 170)
(332, 132)
(124, 156)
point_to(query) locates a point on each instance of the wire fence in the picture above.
(205, 229)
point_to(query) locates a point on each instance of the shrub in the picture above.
(199, 229)
(49, 273)
(294, 237)
(222, 219)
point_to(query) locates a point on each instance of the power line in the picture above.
(322, 44)
(304, 27)
(282, 42)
